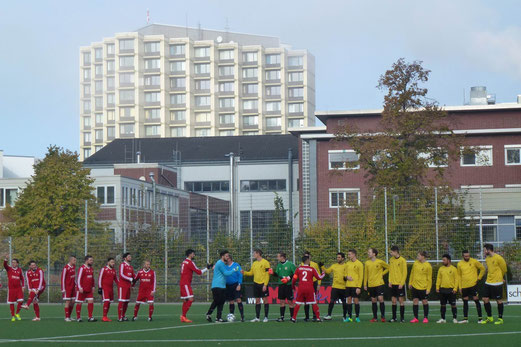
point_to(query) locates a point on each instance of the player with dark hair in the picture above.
(397, 278)
(35, 280)
(147, 289)
(234, 286)
(496, 270)
(219, 286)
(107, 278)
(420, 283)
(355, 276)
(126, 276)
(447, 283)
(260, 270)
(470, 271)
(375, 269)
(85, 291)
(15, 287)
(316, 282)
(188, 268)
(68, 286)
(285, 271)
(338, 291)
(306, 291)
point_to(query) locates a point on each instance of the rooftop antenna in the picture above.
(199, 30)
(148, 16)
(226, 30)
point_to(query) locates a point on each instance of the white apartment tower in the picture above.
(172, 81)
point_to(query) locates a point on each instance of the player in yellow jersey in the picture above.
(316, 284)
(375, 269)
(355, 276)
(420, 283)
(447, 284)
(338, 290)
(470, 271)
(496, 270)
(397, 277)
(260, 270)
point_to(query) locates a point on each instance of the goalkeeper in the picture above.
(285, 270)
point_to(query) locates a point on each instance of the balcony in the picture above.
(152, 54)
(250, 63)
(250, 126)
(152, 86)
(295, 67)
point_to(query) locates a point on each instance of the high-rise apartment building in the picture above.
(171, 81)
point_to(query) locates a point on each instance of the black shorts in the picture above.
(376, 291)
(397, 292)
(257, 291)
(338, 294)
(493, 292)
(469, 292)
(420, 294)
(315, 286)
(219, 295)
(351, 292)
(447, 296)
(285, 292)
(232, 293)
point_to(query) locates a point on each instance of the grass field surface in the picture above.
(166, 329)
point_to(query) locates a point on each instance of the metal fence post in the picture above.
(48, 266)
(10, 248)
(251, 230)
(124, 231)
(481, 222)
(166, 254)
(385, 216)
(86, 225)
(207, 247)
(436, 221)
(338, 220)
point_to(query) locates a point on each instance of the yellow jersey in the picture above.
(496, 269)
(355, 269)
(470, 272)
(397, 271)
(316, 267)
(421, 276)
(374, 272)
(339, 272)
(447, 278)
(258, 271)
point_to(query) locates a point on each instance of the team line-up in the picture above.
(349, 278)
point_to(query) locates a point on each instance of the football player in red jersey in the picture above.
(36, 285)
(188, 268)
(15, 287)
(106, 280)
(126, 276)
(86, 288)
(306, 292)
(147, 288)
(68, 286)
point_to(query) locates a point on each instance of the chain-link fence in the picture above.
(435, 221)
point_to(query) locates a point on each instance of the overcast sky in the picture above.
(464, 43)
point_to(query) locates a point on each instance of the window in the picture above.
(273, 122)
(111, 132)
(87, 137)
(512, 154)
(202, 52)
(86, 122)
(202, 84)
(295, 61)
(99, 118)
(177, 132)
(98, 134)
(126, 112)
(86, 90)
(295, 77)
(153, 113)
(273, 91)
(86, 106)
(152, 64)
(489, 226)
(151, 130)
(105, 195)
(110, 115)
(111, 99)
(202, 68)
(98, 86)
(126, 129)
(86, 74)
(250, 88)
(226, 71)
(273, 106)
(126, 95)
(202, 117)
(208, 186)
(86, 152)
(296, 108)
(250, 133)
(226, 54)
(272, 58)
(227, 118)
(344, 198)
(295, 123)
(343, 159)
(202, 132)
(437, 159)
(111, 66)
(126, 78)
(178, 49)
(518, 228)
(272, 75)
(97, 148)
(249, 57)
(250, 72)
(263, 185)
(250, 120)
(481, 157)
(152, 97)
(250, 104)
(226, 102)
(226, 86)
(111, 82)
(152, 47)
(296, 92)
(177, 66)
(177, 82)
(86, 58)
(178, 115)
(111, 48)
(126, 44)
(226, 133)
(126, 61)
(178, 99)
(98, 70)
(152, 80)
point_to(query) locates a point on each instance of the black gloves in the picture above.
(209, 266)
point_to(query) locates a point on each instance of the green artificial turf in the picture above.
(167, 330)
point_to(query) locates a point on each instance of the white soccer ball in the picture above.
(230, 317)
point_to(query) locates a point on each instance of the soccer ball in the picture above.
(230, 317)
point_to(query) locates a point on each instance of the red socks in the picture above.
(125, 306)
(295, 311)
(150, 310)
(136, 310)
(31, 298)
(120, 309)
(19, 307)
(36, 309)
(106, 306)
(90, 308)
(11, 307)
(186, 307)
(78, 310)
(315, 310)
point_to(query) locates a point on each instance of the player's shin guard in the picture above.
(315, 311)
(66, 309)
(443, 309)
(350, 310)
(11, 307)
(120, 309)
(394, 308)
(500, 309)
(478, 308)
(19, 307)
(90, 308)
(36, 307)
(232, 308)
(78, 310)
(415, 311)
(426, 311)
(295, 311)
(375, 310)
(465, 309)
(124, 311)
(150, 310)
(282, 311)
(402, 312)
(357, 310)
(488, 309)
(136, 309)
(382, 309)
(106, 306)
(257, 310)
(266, 310)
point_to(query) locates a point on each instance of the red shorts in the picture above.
(305, 297)
(108, 294)
(186, 291)
(15, 295)
(145, 297)
(124, 294)
(82, 297)
(69, 294)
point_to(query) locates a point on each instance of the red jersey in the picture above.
(147, 281)
(35, 279)
(126, 274)
(107, 277)
(86, 278)
(305, 274)
(187, 269)
(15, 277)
(68, 280)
